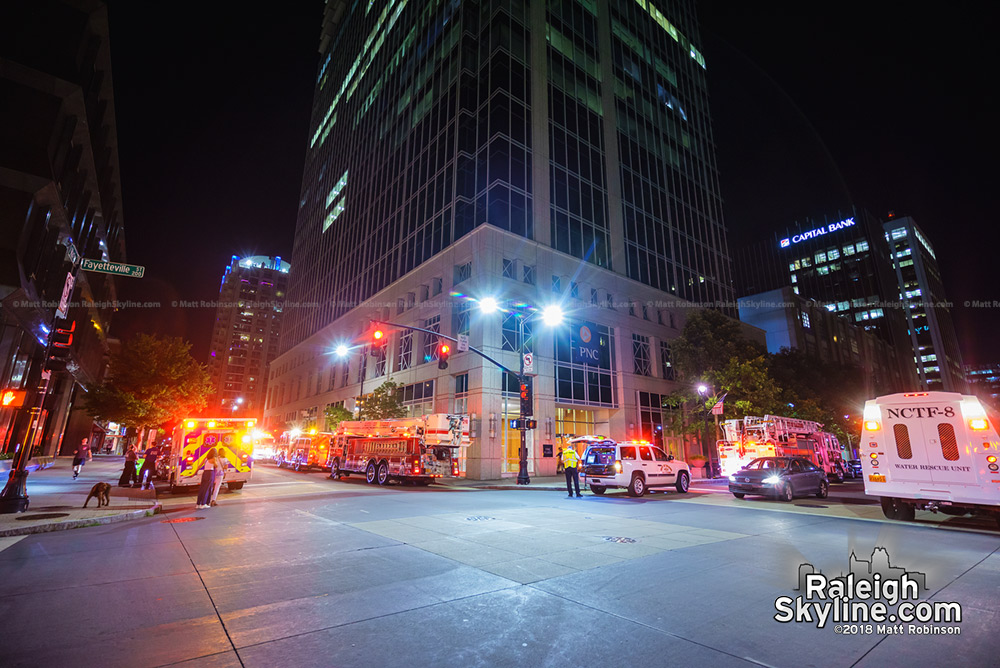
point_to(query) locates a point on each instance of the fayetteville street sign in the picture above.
(117, 268)
(818, 232)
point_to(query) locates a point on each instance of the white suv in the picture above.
(632, 465)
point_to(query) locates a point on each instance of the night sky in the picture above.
(815, 107)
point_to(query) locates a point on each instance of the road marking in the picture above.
(8, 541)
(272, 484)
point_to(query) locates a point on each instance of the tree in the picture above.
(152, 382)
(383, 403)
(335, 415)
(708, 342)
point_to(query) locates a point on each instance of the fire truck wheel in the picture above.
(383, 474)
(888, 507)
(335, 469)
(905, 512)
(739, 495)
(597, 489)
(638, 486)
(683, 482)
(785, 493)
(824, 489)
(370, 473)
(298, 467)
(233, 486)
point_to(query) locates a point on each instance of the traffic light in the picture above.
(444, 351)
(378, 342)
(527, 399)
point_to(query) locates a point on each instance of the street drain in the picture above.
(619, 539)
(479, 518)
(181, 519)
(41, 516)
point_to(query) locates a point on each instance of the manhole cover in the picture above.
(619, 539)
(809, 505)
(181, 519)
(41, 516)
(479, 518)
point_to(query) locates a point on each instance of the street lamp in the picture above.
(552, 316)
(708, 391)
(342, 351)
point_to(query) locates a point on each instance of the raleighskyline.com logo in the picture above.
(874, 597)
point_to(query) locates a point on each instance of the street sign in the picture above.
(12, 398)
(529, 364)
(116, 268)
(66, 294)
(462, 343)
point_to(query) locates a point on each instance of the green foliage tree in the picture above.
(383, 403)
(335, 415)
(708, 342)
(151, 382)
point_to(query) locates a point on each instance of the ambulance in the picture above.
(192, 440)
(419, 450)
(934, 451)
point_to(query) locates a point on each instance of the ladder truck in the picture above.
(751, 437)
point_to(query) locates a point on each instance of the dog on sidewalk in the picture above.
(102, 491)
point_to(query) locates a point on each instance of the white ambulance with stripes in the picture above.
(934, 451)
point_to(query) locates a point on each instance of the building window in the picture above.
(640, 355)
(510, 334)
(345, 372)
(509, 270)
(462, 313)
(404, 360)
(462, 394)
(430, 340)
(592, 383)
(417, 399)
(593, 296)
(631, 308)
(666, 361)
(436, 286)
(805, 320)
(529, 275)
(463, 272)
(574, 289)
(363, 367)
(609, 301)
(556, 284)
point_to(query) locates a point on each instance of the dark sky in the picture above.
(816, 106)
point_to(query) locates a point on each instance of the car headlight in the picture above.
(772, 480)
(732, 478)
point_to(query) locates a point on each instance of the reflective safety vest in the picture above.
(570, 458)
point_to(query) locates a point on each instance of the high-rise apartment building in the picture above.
(984, 381)
(60, 203)
(936, 354)
(532, 154)
(246, 333)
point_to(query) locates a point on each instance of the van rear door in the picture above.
(927, 442)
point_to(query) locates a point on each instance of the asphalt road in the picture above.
(298, 570)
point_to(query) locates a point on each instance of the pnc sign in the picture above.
(818, 232)
(588, 344)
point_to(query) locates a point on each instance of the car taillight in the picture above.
(872, 425)
(618, 466)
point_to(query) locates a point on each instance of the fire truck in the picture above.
(306, 452)
(751, 437)
(192, 439)
(418, 450)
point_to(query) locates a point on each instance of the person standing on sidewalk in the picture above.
(80, 456)
(207, 485)
(220, 475)
(129, 475)
(570, 461)
(148, 464)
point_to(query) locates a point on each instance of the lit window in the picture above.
(805, 320)
(849, 250)
(862, 246)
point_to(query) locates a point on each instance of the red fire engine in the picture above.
(751, 437)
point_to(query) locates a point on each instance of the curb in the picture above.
(77, 524)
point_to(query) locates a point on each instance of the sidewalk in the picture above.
(56, 500)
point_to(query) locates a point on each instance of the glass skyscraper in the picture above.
(531, 151)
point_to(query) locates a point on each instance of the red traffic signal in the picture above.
(527, 398)
(444, 351)
(379, 339)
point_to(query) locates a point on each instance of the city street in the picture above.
(299, 570)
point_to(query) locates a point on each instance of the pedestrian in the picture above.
(559, 465)
(570, 461)
(148, 464)
(129, 476)
(220, 475)
(80, 456)
(207, 480)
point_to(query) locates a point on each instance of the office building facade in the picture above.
(984, 382)
(246, 334)
(936, 356)
(60, 204)
(551, 152)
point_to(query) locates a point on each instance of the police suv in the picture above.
(636, 466)
(934, 451)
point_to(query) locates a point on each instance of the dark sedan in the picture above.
(854, 468)
(781, 477)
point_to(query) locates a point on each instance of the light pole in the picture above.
(342, 351)
(708, 391)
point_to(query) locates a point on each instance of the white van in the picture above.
(934, 451)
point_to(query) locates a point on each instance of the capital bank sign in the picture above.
(818, 232)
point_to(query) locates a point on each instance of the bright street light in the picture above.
(341, 350)
(702, 389)
(488, 305)
(552, 315)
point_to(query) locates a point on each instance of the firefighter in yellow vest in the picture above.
(570, 461)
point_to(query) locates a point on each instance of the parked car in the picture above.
(636, 466)
(854, 468)
(781, 477)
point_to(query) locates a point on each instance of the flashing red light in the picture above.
(378, 335)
